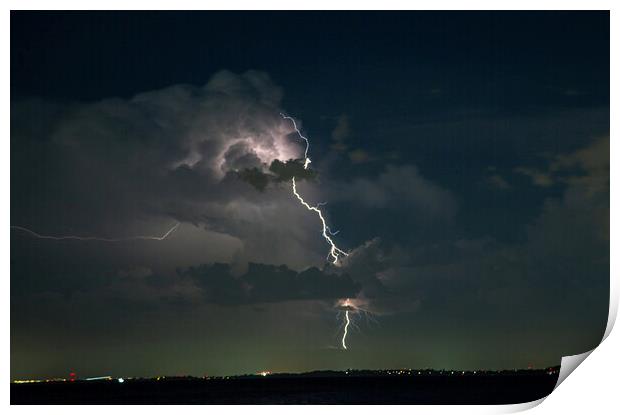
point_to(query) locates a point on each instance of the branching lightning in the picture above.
(334, 252)
(96, 238)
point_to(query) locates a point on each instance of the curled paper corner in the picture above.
(569, 364)
(520, 407)
(613, 309)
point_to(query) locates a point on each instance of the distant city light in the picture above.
(100, 378)
(346, 372)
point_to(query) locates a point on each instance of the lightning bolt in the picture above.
(334, 251)
(96, 238)
(307, 160)
(350, 310)
(346, 330)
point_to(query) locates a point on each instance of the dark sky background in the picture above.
(464, 158)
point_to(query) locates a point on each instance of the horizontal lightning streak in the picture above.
(96, 238)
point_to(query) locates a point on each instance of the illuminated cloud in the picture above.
(183, 153)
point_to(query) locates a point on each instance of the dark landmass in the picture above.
(323, 387)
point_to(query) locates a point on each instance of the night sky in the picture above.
(464, 159)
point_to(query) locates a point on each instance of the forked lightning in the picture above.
(334, 252)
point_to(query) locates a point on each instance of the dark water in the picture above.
(478, 389)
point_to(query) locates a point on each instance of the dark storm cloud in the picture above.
(555, 271)
(256, 177)
(285, 171)
(263, 283)
(190, 152)
(166, 149)
(141, 287)
(186, 153)
(279, 171)
(398, 203)
(398, 187)
(560, 270)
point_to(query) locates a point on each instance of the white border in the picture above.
(590, 389)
